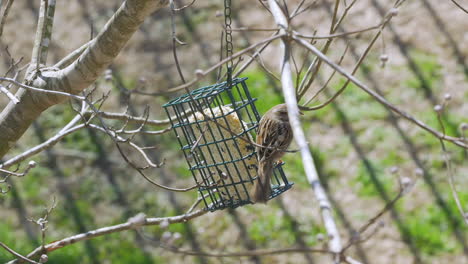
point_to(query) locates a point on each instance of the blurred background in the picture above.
(356, 143)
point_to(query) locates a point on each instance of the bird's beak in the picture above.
(301, 113)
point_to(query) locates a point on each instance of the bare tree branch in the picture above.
(5, 15)
(293, 113)
(129, 225)
(459, 6)
(379, 98)
(16, 254)
(212, 68)
(16, 118)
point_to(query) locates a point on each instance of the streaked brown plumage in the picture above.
(275, 135)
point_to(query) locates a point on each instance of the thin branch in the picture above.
(129, 225)
(254, 29)
(252, 58)
(31, 164)
(297, 12)
(133, 119)
(212, 68)
(81, 98)
(356, 67)
(379, 98)
(459, 6)
(448, 164)
(185, 6)
(175, 41)
(72, 56)
(17, 254)
(248, 253)
(264, 67)
(118, 139)
(314, 67)
(145, 132)
(45, 145)
(343, 16)
(325, 85)
(342, 34)
(371, 221)
(5, 15)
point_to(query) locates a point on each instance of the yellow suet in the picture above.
(229, 150)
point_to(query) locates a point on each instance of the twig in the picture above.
(249, 253)
(297, 12)
(264, 67)
(252, 58)
(325, 85)
(5, 15)
(175, 41)
(450, 173)
(254, 29)
(345, 12)
(337, 35)
(134, 119)
(130, 225)
(81, 98)
(146, 132)
(212, 68)
(43, 221)
(185, 6)
(39, 148)
(17, 254)
(314, 67)
(31, 164)
(461, 7)
(371, 221)
(379, 98)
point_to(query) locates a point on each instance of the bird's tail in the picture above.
(262, 188)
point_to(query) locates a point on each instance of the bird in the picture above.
(274, 135)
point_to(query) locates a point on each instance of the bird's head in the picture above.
(281, 112)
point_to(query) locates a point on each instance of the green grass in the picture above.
(430, 231)
(70, 254)
(271, 229)
(79, 141)
(122, 248)
(367, 185)
(260, 88)
(429, 67)
(311, 237)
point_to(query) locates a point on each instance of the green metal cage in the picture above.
(215, 126)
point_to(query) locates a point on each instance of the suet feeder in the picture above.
(215, 127)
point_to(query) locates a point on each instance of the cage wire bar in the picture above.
(214, 127)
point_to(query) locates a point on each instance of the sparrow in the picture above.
(273, 138)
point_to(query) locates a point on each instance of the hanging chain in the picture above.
(228, 39)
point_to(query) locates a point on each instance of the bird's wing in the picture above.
(276, 138)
